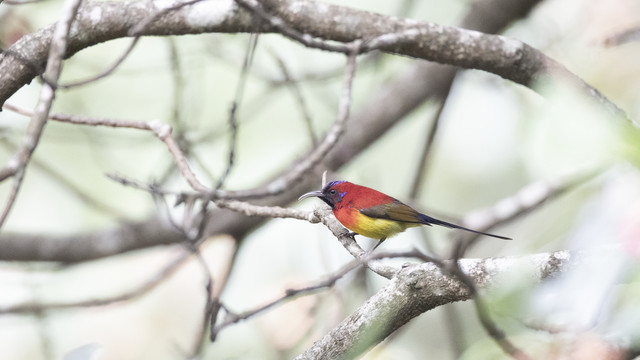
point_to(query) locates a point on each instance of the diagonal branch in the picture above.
(417, 289)
(18, 163)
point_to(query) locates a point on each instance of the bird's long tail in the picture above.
(429, 221)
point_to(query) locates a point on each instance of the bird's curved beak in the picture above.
(316, 193)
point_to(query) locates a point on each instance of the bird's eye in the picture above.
(333, 191)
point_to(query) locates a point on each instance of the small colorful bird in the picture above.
(373, 214)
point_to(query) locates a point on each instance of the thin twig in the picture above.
(233, 120)
(177, 109)
(289, 294)
(18, 163)
(210, 301)
(297, 94)
(177, 77)
(290, 32)
(268, 211)
(163, 132)
(426, 155)
(281, 184)
(216, 305)
(160, 129)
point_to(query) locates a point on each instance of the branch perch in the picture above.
(415, 290)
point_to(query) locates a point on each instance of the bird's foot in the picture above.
(370, 251)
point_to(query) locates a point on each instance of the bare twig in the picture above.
(233, 120)
(288, 31)
(18, 163)
(294, 175)
(290, 294)
(178, 86)
(268, 211)
(161, 130)
(423, 162)
(177, 113)
(209, 304)
(297, 94)
(216, 305)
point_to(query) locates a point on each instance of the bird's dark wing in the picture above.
(398, 211)
(395, 210)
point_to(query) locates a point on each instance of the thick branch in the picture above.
(88, 246)
(415, 290)
(97, 22)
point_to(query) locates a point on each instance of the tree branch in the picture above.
(17, 165)
(415, 290)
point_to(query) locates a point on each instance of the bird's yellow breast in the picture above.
(377, 228)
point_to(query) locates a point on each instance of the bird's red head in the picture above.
(332, 193)
(338, 194)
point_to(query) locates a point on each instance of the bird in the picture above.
(373, 214)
